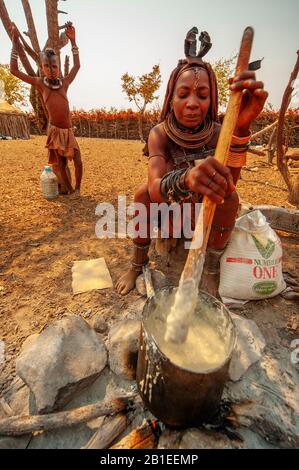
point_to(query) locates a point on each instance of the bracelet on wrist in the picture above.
(171, 189)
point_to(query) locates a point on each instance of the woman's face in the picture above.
(192, 98)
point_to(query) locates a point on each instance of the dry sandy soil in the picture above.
(40, 240)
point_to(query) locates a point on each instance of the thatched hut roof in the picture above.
(13, 123)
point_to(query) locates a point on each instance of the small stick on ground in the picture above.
(19, 425)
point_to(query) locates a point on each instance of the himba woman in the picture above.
(188, 131)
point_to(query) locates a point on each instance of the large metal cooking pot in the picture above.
(177, 396)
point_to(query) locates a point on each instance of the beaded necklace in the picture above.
(53, 84)
(189, 138)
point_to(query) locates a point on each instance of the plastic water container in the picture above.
(49, 184)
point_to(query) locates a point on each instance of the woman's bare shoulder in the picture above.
(157, 139)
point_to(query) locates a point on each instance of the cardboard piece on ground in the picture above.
(90, 275)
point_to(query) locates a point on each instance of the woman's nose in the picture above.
(192, 102)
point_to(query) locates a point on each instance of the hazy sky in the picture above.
(117, 36)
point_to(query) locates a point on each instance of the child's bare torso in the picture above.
(57, 105)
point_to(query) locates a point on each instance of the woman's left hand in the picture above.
(253, 100)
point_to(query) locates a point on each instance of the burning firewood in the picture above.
(144, 437)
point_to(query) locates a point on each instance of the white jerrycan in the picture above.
(49, 184)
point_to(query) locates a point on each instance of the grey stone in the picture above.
(159, 280)
(66, 357)
(170, 439)
(123, 348)
(202, 439)
(249, 347)
(99, 324)
(194, 438)
(106, 387)
(134, 310)
(28, 341)
(12, 443)
(18, 396)
(266, 399)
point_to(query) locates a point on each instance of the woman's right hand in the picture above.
(212, 179)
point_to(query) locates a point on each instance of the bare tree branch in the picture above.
(281, 157)
(34, 55)
(31, 26)
(7, 24)
(262, 131)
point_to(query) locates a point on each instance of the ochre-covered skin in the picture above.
(191, 101)
(56, 103)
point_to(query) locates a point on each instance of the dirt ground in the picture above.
(40, 240)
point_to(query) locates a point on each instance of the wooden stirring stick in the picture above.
(204, 223)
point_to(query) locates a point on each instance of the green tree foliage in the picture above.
(223, 69)
(15, 91)
(141, 90)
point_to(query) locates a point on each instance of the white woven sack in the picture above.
(251, 266)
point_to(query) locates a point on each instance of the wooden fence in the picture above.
(14, 125)
(128, 128)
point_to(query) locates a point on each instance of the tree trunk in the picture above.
(53, 26)
(272, 146)
(39, 109)
(140, 126)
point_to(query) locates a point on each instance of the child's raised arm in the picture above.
(71, 34)
(14, 67)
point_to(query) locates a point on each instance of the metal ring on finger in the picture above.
(213, 175)
(209, 183)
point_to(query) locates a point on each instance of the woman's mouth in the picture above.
(192, 116)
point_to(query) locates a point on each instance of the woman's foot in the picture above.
(127, 282)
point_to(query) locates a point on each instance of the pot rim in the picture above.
(165, 358)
